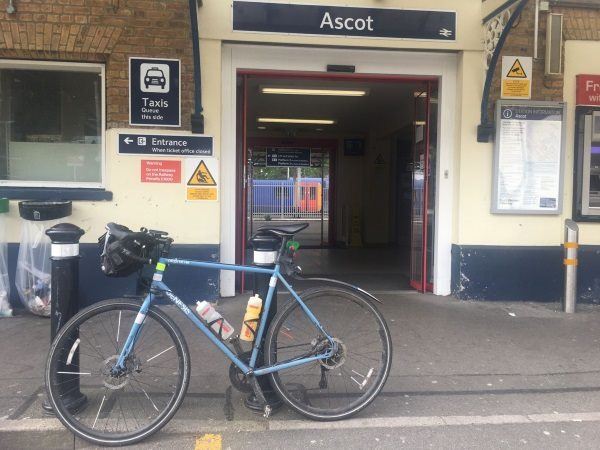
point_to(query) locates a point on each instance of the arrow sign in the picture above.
(166, 144)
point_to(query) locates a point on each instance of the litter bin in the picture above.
(5, 310)
(33, 263)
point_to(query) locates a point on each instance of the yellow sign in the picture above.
(516, 71)
(516, 77)
(202, 193)
(201, 176)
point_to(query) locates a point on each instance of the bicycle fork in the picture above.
(135, 331)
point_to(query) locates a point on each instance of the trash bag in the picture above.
(33, 263)
(5, 309)
(33, 267)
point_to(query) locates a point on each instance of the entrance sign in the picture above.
(517, 72)
(165, 144)
(160, 171)
(528, 157)
(155, 92)
(202, 176)
(343, 21)
(288, 157)
(588, 90)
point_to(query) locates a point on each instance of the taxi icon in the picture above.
(155, 77)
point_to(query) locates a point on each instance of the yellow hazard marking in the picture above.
(161, 266)
(570, 262)
(202, 176)
(571, 245)
(209, 442)
(202, 193)
(516, 71)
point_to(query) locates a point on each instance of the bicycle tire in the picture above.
(309, 399)
(58, 356)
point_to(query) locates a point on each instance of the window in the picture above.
(587, 181)
(51, 124)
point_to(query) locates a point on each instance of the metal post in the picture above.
(570, 261)
(64, 299)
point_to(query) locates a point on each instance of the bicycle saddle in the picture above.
(283, 230)
(118, 231)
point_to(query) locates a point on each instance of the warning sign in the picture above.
(516, 71)
(516, 77)
(202, 193)
(160, 171)
(202, 175)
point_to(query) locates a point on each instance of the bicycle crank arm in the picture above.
(260, 396)
(341, 283)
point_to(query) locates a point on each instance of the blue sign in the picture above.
(154, 92)
(288, 157)
(165, 144)
(344, 21)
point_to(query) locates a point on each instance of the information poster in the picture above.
(528, 157)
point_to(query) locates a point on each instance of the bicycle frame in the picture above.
(247, 369)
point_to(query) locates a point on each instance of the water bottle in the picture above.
(250, 323)
(209, 314)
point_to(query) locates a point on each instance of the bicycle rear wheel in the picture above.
(109, 408)
(347, 382)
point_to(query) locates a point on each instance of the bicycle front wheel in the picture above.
(338, 387)
(117, 407)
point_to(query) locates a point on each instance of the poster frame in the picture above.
(497, 149)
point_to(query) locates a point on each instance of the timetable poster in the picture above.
(528, 158)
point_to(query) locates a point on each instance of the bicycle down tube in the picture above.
(159, 285)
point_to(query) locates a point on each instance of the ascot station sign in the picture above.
(588, 90)
(343, 21)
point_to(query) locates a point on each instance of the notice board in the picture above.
(528, 157)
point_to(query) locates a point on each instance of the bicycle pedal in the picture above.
(267, 411)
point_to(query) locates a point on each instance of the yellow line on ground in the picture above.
(208, 442)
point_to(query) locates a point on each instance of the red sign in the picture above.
(588, 90)
(161, 171)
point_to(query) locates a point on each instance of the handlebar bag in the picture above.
(125, 255)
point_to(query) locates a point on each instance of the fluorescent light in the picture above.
(262, 127)
(311, 91)
(307, 121)
(420, 122)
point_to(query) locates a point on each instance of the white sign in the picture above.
(202, 179)
(517, 72)
(528, 158)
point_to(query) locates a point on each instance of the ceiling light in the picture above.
(306, 121)
(311, 91)
(418, 94)
(420, 122)
(262, 127)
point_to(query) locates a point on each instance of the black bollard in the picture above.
(265, 251)
(64, 300)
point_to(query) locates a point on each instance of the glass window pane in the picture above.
(50, 126)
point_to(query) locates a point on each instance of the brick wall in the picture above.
(579, 24)
(108, 31)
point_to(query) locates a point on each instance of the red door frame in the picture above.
(391, 78)
(423, 285)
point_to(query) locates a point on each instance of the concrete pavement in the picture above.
(465, 375)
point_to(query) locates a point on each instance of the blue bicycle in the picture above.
(118, 370)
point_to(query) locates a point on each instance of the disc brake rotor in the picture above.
(338, 359)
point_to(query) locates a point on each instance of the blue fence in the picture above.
(306, 198)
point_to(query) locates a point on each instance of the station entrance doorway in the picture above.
(352, 155)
